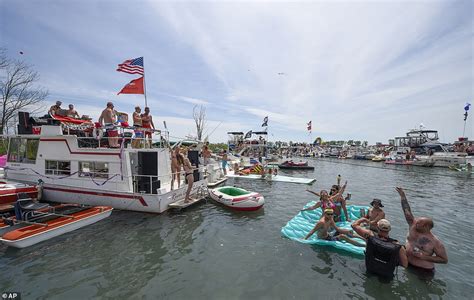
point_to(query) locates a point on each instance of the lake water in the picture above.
(208, 251)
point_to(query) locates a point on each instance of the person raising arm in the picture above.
(424, 249)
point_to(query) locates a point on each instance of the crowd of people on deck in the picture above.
(143, 125)
(383, 254)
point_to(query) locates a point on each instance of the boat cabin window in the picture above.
(23, 150)
(57, 167)
(94, 169)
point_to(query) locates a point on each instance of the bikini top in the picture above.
(324, 205)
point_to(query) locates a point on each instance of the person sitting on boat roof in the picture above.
(72, 113)
(424, 249)
(325, 201)
(325, 224)
(108, 117)
(374, 214)
(383, 254)
(53, 109)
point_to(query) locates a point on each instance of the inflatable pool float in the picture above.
(298, 227)
(237, 198)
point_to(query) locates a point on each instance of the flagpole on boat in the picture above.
(144, 84)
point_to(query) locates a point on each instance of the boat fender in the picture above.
(381, 257)
(97, 133)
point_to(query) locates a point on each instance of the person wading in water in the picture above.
(382, 253)
(424, 249)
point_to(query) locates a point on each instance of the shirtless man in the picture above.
(206, 154)
(325, 224)
(137, 128)
(375, 214)
(72, 113)
(53, 109)
(107, 118)
(424, 249)
(147, 123)
(224, 160)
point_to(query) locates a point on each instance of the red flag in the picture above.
(134, 87)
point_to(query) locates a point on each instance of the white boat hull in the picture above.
(119, 200)
(54, 232)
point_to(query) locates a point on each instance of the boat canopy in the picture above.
(235, 133)
(259, 132)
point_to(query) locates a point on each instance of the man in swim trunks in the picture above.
(224, 160)
(107, 118)
(424, 249)
(327, 223)
(147, 123)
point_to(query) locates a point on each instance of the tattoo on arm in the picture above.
(407, 210)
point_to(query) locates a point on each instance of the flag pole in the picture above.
(144, 84)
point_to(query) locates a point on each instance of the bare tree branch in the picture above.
(17, 90)
(199, 116)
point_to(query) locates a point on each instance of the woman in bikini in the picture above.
(340, 203)
(188, 169)
(325, 201)
(175, 168)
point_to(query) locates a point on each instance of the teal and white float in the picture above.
(298, 227)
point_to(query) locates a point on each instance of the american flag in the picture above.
(132, 66)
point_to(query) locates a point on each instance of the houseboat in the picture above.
(76, 168)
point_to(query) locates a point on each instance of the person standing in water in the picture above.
(424, 249)
(382, 254)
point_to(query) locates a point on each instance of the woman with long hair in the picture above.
(188, 170)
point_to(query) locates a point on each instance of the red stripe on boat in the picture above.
(142, 201)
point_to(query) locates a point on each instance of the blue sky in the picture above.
(358, 70)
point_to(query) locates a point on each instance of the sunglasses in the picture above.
(329, 214)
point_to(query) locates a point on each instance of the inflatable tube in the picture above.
(298, 227)
(97, 133)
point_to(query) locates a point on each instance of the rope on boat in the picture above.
(393, 169)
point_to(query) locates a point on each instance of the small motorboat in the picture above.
(9, 193)
(36, 222)
(237, 198)
(291, 165)
(378, 158)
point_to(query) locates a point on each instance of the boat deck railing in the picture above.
(129, 142)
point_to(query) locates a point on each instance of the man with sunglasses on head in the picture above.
(424, 249)
(382, 253)
(325, 224)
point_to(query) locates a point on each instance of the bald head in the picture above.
(424, 224)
